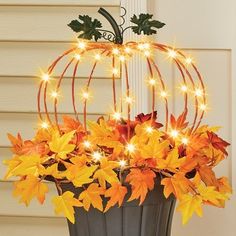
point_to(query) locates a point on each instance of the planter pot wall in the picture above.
(152, 218)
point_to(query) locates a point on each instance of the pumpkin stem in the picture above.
(118, 35)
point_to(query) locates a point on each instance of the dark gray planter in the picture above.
(152, 218)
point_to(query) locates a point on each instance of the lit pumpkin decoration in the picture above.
(95, 155)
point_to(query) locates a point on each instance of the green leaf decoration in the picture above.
(87, 26)
(145, 24)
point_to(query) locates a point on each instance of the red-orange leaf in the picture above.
(116, 193)
(141, 181)
(217, 142)
(70, 124)
(179, 123)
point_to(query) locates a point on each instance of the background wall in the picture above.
(33, 32)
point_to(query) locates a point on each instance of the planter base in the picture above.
(152, 218)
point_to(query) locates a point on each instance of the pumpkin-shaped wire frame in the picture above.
(119, 55)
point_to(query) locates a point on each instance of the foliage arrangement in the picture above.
(107, 158)
(97, 162)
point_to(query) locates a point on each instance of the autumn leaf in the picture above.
(211, 195)
(16, 142)
(178, 184)
(217, 142)
(78, 174)
(105, 136)
(195, 144)
(92, 196)
(154, 148)
(60, 144)
(179, 123)
(207, 175)
(29, 188)
(105, 173)
(188, 205)
(51, 171)
(116, 193)
(141, 181)
(224, 186)
(70, 124)
(23, 165)
(172, 162)
(65, 204)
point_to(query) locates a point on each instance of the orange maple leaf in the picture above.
(70, 124)
(29, 188)
(141, 181)
(195, 144)
(92, 196)
(116, 193)
(178, 184)
(207, 175)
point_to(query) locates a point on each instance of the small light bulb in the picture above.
(116, 116)
(87, 144)
(152, 81)
(115, 51)
(77, 57)
(172, 53)
(185, 141)
(45, 77)
(163, 94)
(147, 54)
(122, 58)
(146, 45)
(198, 92)
(184, 88)
(122, 163)
(174, 133)
(44, 125)
(97, 57)
(115, 71)
(130, 147)
(141, 46)
(85, 95)
(127, 50)
(203, 107)
(54, 94)
(96, 156)
(81, 45)
(189, 60)
(149, 129)
(129, 100)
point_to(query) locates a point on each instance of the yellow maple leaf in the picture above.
(211, 195)
(154, 148)
(65, 204)
(104, 135)
(60, 144)
(24, 165)
(79, 174)
(92, 196)
(188, 205)
(172, 161)
(116, 193)
(29, 188)
(51, 171)
(11, 165)
(105, 173)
